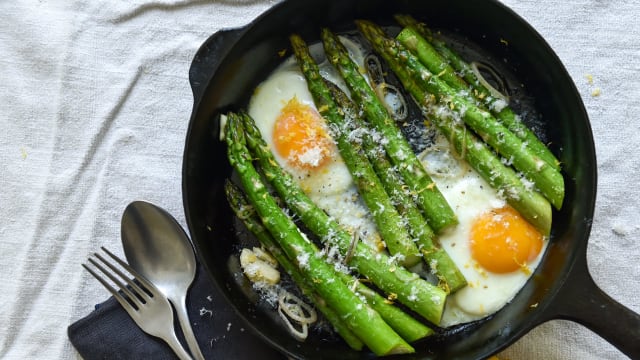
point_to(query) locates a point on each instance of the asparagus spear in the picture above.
(534, 207)
(245, 212)
(430, 57)
(505, 114)
(547, 180)
(365, 322)
(397, 282)
(389, 223)
(441, 264)
(452, 58)
(409, 328)
(436, 209)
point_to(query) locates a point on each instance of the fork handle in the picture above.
(187, 330)
(177, 348)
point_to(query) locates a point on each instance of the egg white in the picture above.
(469, 195)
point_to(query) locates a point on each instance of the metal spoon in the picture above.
(157, 246)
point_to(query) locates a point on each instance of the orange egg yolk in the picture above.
(300, 137)
(502, 241)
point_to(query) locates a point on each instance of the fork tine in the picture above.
(125, 304)
(142, 294)
(135, 298)
(148, 285)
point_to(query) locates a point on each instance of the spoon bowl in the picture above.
(157, 247)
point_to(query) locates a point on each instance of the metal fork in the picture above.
(141, 299)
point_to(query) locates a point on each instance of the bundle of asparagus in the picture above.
(427, 89)
(378, 181)
(364, 322)
(441, 60)
(406, 326)
(438, 212)
(377, 267)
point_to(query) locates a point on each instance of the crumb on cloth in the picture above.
(595, 91)
(589, 78)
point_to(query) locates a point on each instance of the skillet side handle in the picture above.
(207, 59)
(581, 300)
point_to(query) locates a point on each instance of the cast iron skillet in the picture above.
(231, 63)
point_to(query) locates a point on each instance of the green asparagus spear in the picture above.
(365, 322)
(397, 282)
(245, 212)
(534, 207)
(462, 67)
(407, 327)
(505, 114)
(388, 222)
(436, 209)
(546, 179)
(428, 56)
(441, 264)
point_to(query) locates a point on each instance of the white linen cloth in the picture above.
(94, 106)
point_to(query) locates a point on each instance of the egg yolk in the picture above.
(502, 241)
(300, 137)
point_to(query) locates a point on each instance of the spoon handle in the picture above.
(187, 330)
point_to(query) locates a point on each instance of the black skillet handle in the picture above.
(581, 300)
(208, 57)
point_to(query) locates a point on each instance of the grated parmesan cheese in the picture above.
(312, 156)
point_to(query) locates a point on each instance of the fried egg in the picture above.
(495, 248)
(284, 111)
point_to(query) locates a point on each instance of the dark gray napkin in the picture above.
(109, 333)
